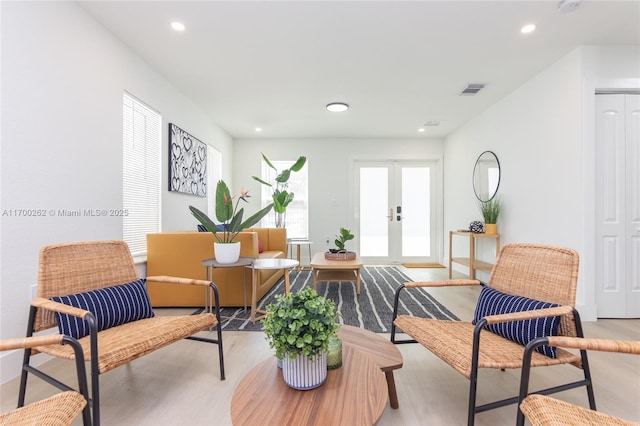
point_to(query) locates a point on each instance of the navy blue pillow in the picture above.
(494, 302)
(111, 306)
(219, 228)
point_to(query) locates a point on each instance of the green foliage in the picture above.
(300, 323)
(281, 197)
(345, 235)
(491, 209)
(228, 215)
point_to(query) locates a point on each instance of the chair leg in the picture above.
(473, 380)
(395, 312)
(216, 298)
(26, 359)
(585, 363)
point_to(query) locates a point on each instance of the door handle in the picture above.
(390, 215)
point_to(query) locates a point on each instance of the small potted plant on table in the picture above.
(298, 326)
(340, 252)
(490, 213)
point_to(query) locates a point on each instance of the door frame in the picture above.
(437, 197)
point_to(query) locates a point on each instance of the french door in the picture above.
(395, 204)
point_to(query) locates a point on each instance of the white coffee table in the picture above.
(285, 264)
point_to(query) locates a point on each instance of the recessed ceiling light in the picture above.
(527, 29)
(421, 129)
(337, 107)
(178, 26)
(258, 129)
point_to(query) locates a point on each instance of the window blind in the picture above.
(141, 171)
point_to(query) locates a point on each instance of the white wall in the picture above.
(63, 77)
(542, 134)
(330, 164)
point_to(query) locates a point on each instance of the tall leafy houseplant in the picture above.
(280, 195)
(229, 217)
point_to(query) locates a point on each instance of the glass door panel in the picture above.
(374, 228)
(416, 218)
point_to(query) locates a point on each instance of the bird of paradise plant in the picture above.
(228, 215)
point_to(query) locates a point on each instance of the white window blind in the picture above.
(297, 216)
(141, 140)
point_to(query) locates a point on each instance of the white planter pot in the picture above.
(303, 373)
(227, 252)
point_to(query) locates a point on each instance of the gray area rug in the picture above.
(371, 309)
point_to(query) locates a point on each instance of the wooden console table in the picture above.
(471, 262)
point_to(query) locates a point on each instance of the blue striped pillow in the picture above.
(111, 306)
(494, 302)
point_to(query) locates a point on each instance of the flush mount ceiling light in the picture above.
(258, 129)
(337, 107)
(178, 26)
(565, 6)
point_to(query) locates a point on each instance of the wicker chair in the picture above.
(542, 410)
(540, 272)
(57, 410)
(66, 269)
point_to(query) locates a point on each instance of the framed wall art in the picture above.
(187, 163)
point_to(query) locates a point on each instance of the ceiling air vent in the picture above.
(472, 89)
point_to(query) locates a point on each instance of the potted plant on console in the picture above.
(340, 252)
(299, 326)
(226, 249)
(491, 212)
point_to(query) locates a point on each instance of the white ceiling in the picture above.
(276, 64)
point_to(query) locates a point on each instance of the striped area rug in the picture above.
(371, 309)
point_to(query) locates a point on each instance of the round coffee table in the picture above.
(353, 394)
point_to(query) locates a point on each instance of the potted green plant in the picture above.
(230, 222)
(298, 326)
(281, 196)
(490, 213)
(340, 252)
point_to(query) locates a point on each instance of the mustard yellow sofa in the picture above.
(180, 254)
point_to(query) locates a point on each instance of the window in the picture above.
(140, 173)
(297, 214)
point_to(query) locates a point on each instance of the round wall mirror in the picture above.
(486, 176)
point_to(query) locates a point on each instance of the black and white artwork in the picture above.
(187, 163)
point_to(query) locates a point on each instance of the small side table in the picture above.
(285, 264)
(298, 243)
(211, 264)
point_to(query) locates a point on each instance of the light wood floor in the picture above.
(179, 385)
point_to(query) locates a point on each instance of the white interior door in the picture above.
(396, 210)
(618, 206)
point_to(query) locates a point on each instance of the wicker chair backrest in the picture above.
(541, 272)
(78, 267)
